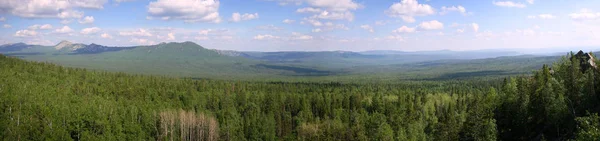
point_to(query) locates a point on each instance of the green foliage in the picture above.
(43, 101)
(588, 127)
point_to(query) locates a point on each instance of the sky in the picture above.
(308, 25)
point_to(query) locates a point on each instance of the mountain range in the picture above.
(188, 59)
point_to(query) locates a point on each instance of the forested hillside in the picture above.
(43, 101)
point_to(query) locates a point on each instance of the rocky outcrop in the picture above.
(586, 61)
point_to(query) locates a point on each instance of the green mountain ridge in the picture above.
(188, 59)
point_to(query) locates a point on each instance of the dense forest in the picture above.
(43, 101)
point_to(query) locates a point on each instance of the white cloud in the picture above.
(266, 37)
(317, 30)
(91, 30)
(334, 5)
(6, 26)
(408, 9)
(546, 16)
(309, 10)
(2, 19)
(269, 28)
(381, 22)
(66, 21)
(542, 16)
(237, 17)
(43, 27)
(585, 14)
(119, 1)
(106, 36)
(26, 33)
(509, 4)
(334, 16)
(170, 36)
(459, 9)
(139, 32)
(64, 29)
(475, 27)
(300, 36)
(530, 1)
(87, 20)
(288, 21)
(404, 29)
(326, 9)
(460, 30)
(431, 25)
(395, 38)
(217, 32)
(141, 41)
(49, 8)
(368, 28)
(186, 10)
(313, 22)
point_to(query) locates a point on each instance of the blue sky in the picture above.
(308, 25)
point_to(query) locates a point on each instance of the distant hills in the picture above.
(188, 59)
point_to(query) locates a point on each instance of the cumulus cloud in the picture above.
(214, 32)
(237, 17)
(395, 38)
(266, 37)
(317, 30)
(43, 27)
(170, 36)
(460, 9)
(6, 26)
(288, 21)
(475, 27)
(140, 32)
(542, 16)
(2, 19)
(408, 9)
(106, 36)
(119, 1)
(404, 29)
(64, 29)
(368, 28)
(530, 1)
(186, 10)
(49, 8)
(381, 22)
(26, 33)
(65, 21)
(584, 15)
(460, 30)
(509, 4)
(220, 34)
(334, 16)
(309, 10)
(91, 30)
(269, 28)
(300, 36)
(431, 25)
(327, 9)
(334, 5)
(312, 22)
(141, 41)
(87, 20)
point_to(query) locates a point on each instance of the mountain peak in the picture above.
(62, 44)
(68, 45)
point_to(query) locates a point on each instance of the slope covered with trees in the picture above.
(43, 101)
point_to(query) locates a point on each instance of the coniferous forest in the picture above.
(43, 101)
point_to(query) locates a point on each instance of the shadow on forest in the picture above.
(464, 75)
(297, 70)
